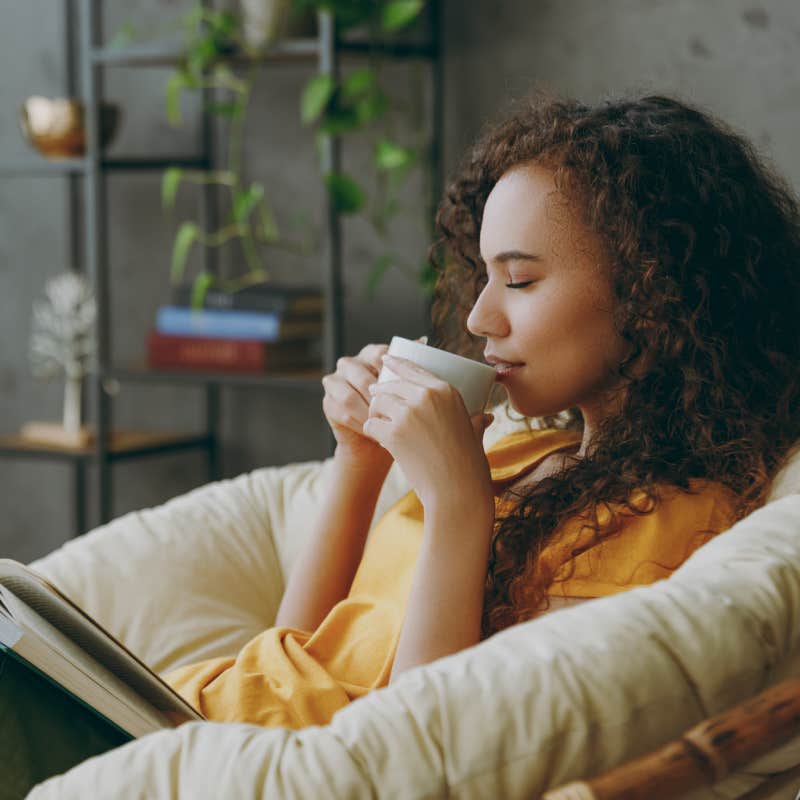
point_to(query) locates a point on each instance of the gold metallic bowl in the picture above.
(54, 126)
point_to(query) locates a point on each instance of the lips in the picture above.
(501, 364)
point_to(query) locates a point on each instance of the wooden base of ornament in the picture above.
(51, 433)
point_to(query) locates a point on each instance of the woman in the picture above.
(631, 267)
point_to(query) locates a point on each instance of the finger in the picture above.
(345, 400)
(405, 390)
(358, 374)
(387, 406)
(344, 407)
(371, 355)
(408, 370)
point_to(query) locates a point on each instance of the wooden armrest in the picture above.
(704, 755)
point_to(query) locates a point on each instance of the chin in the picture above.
(529, 409)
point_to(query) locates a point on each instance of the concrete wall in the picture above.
(741, 59)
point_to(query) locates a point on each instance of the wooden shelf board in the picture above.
(306, 378)
(123, 443)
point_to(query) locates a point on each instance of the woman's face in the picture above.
(547, 304)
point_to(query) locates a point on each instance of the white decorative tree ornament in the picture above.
(63, 341)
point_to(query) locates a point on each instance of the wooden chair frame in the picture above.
(705, 754)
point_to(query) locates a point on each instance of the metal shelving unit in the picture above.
(90, 245)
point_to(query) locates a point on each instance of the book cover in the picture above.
(45, 730)
(264, 326)
(235, 355)
(284, 300)
(43, 629)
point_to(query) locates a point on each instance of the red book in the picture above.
(234, 355)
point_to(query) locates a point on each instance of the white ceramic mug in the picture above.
(474, 381)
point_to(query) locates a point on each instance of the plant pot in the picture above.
(55, 126)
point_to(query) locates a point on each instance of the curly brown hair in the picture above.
(703, 242)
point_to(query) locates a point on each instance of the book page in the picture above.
(53, 647)
(52, 606)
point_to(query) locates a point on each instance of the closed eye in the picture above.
(520, 285)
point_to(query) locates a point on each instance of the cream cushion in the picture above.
(563, 696)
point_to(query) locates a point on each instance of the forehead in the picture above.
(523, 211)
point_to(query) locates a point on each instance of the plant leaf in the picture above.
(316, 97)
(376, 273)
(391, 156)
(169, 186)
(186, 236)
(399, 13)
(339, 120)
(244, 201)
(345, 193)
(428, 276)
(172, 97)
(202, 283)
(230, 110)
(358, 83)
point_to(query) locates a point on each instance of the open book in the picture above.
(67, 683)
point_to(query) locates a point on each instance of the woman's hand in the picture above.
(346, 407)
(422, 421)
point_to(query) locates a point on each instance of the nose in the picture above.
(486, 318)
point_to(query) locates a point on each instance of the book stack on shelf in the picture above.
(261, 328)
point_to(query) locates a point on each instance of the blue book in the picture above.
(264, 326)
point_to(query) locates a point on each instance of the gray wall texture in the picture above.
(739, 59)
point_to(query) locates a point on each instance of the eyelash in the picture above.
(520, 285)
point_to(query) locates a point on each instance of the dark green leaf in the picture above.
(202, 283)
(316, 97)
(186, 236)
(358, 83)
(399, 13)
(376, 273)
(169, 187)
(427, 278)
(345, 193)
(226, 25)
(230, 110)
(339, 121)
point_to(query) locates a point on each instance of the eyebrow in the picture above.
(514, 255)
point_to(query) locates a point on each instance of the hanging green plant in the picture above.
(356, 102)
(211, 40)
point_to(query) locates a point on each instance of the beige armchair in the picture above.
(566, 696)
